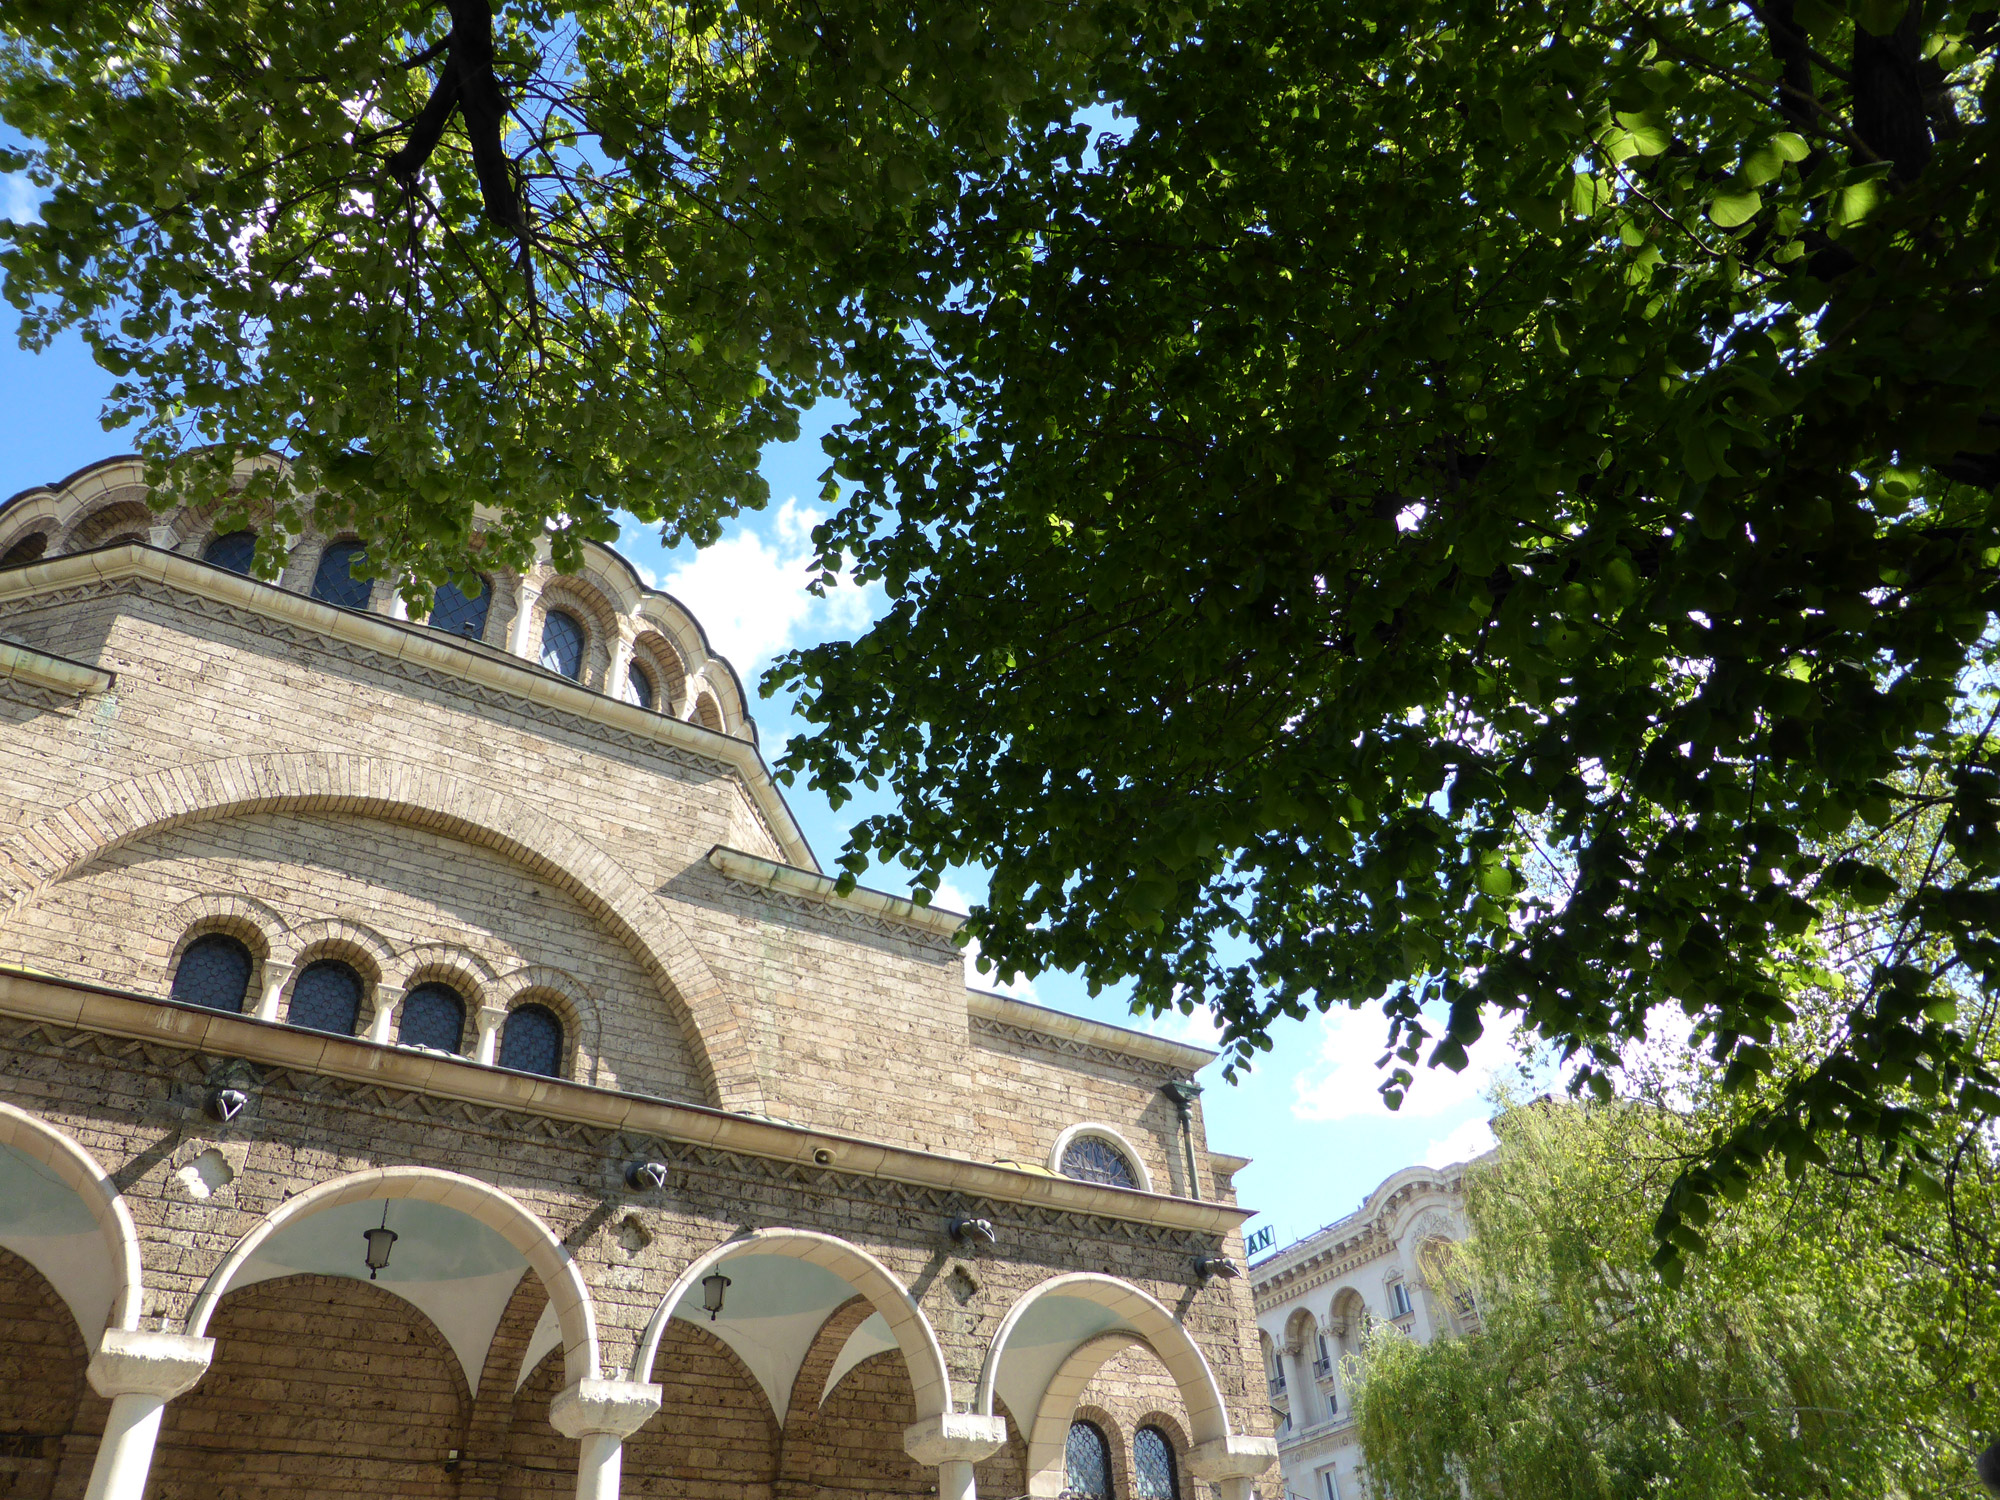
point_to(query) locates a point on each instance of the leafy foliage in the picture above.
(1431, 428)
(1839, 1337)
(554, 259)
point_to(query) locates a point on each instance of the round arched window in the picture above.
(28, 549)
(214, 973)
(532, 1041)
(456, 612)
(1091, 1158)
(233, 550)
(638, 686)
(1087, 1462)
(562, 643)
(1153, 1474)
(433, 1016)
(327, 997)
(334, 581)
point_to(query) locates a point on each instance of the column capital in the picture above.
(161, 1365)
(1236, 1455)
(954, 1437)
(617, 1408)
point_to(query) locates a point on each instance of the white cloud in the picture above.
(951, 898)
(1342, 1083)
(1197, 1030)
(1471, 1139)
(749, 591)
(18, 199)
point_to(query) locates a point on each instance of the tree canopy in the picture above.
(1427, 437)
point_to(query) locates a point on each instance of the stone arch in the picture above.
(930, 1382)
(519, 1225)
(812, 1385)
(716, 1031)
(1111, 1134)
(706, 712)
(339, 937)
(1146, 1321)
(249, 921)
(1060, 1408)
(653, 650)
(583, 599)
(564, 994)
(118, 1296)
(448, 963)
(110, 521)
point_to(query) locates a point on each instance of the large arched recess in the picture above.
(75, 1230)
(717, 1032)
(1055, 1339)
(520, 1227)
(860, 1273)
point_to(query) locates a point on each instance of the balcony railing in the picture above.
(1323, 1369)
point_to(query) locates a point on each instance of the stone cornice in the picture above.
(24, 664)
(115, 1013)
(1017, 1021)
(421, 648)
(1330, 1253)
(809, 888)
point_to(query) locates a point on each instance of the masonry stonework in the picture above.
(679, 1212)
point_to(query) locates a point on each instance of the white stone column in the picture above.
(141, 1373)
(527, 593)
(1230, 1463)
(952, 1444)
(488, 1019)
(615, 685)
(276, 977)
(601, 1414)
(388, 1006)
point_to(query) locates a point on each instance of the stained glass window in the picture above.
(1088, 1462)
(562, 644)
(334, 580)
(433, 1016)
(233, 551)
(1091, 1158)
(458, 613)
(532, 1041)
(1153, 1473)
(327, 997)
(214, 972)
(638, 686)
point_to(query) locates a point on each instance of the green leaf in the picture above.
(1729, 209)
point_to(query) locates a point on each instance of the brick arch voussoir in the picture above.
(65, 841)
(809, 1387)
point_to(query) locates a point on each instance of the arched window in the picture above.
(532, 1041)
(458, 613)
(1399, 1299)
(1087, 1462)
(334, 580)
(214, 973)
(1091, 1158)
(1153, 1474)
(327, 997)
(433, 1016)
(28, 549)
(232, 550)
(638, 686)
(562, 643)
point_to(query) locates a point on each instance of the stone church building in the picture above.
(432, 1064)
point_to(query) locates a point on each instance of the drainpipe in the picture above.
(1184, 1091)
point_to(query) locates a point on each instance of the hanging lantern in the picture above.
(379, 1241)
(713, 1285)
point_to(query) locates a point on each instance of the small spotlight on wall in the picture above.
(379, 1241)
(227, 1104)
(714, 1286)
(646, 1176)
(1209, 1267)
(974, 1231)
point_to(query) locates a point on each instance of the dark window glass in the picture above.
(1088, 1462)
(214, 972)
(532, 1042)
(327, 997)
(1153, 1473)
(639, 687)
(27, 550)
(562, 644)
(1090, 1158)
(433, 1016)
(459, 613)
(232, 551)
(334, 579)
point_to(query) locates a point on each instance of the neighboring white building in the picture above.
(1317, 1297)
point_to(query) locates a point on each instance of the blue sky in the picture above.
(1309, 1116)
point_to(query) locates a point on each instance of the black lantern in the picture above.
(379, 1241)
(713, 1286)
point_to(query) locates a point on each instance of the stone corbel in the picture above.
(1237, 1455)
(615, 1408)
(160, 1365)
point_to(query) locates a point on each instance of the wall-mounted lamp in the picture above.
(974, 1231)
(1216, 1266)
(646, 1176)
(379, 1241)
(227, 1104)
(714, 1286)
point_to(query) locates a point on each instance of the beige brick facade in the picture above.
(754, 1077)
